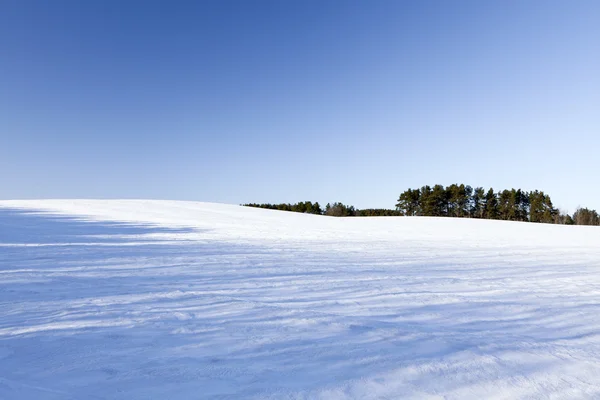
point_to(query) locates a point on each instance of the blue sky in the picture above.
(285, 101)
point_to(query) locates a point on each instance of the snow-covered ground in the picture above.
(183, 300)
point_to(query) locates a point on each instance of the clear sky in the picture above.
(285, 101)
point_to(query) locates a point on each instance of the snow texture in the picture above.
(182, 300)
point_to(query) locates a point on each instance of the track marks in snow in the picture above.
(230, 302)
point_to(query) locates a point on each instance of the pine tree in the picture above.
(522, 205)
(536, 206)
(458, 200)
(409, 202)
(513, 212)
(452, 196)
(426, 201)
(438, 201)
(549, 212)
(477, 203)
(466, 203)
(491, 205)
(504, 204)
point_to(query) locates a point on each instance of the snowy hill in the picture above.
(159, 299)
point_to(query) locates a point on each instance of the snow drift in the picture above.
(158, 299)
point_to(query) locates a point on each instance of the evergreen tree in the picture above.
(409, 202)
(536, 206)
(458, 200)
(522, 205)
(513, 208)
(477, 203)
(452, 194)
(491, 205)
(466, 201)
(549, 212)
(438, 202)
(504, 204)
(426, 201)
(316, 208)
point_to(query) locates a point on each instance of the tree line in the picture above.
(460, 201)
(301, 207)
(332, 209)
(464, 201)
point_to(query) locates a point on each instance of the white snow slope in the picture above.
(181, 300)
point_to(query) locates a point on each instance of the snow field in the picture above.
(138, 299)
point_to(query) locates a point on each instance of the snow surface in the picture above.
(182, 300)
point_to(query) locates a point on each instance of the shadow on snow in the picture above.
(117, 310)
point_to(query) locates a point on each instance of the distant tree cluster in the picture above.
(459, 201)
(340, 210)
(510, 205)
(378, 212)
(585, 216)
(301, 207)
(331, 209)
